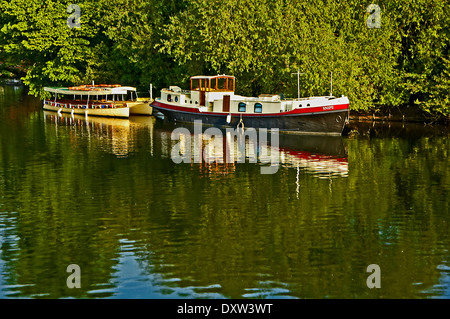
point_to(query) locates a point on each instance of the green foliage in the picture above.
(113, 45)
(261, 42)
(38, 38)
(425, 37)
(438, 95)
(133, 29)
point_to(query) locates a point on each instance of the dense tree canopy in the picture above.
(402, 61)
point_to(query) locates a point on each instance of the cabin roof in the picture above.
(90, 90)
(210, 77)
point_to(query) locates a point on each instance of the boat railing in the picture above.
(313, 97)
(81, 105)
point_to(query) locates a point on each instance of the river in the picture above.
(106, 195)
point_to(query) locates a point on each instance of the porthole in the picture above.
(176, 98)
(258, 108)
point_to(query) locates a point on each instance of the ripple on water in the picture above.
(269, 289)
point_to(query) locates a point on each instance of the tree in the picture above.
(114, 44)
(39, 38)
(424, 28)
(263, 42)
(402, 62)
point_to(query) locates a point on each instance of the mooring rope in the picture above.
(240, 124)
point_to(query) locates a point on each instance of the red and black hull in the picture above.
(318, 120)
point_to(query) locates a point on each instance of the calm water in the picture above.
(106, 195)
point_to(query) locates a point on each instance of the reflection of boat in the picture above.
(112, 134)
(211, 99)
(218, 151)
(97, 100)
(80, 120)
(324, 156)
(13, 82)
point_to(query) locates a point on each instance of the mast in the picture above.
(331, 89)
(298, 82)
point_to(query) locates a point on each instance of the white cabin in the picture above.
(216, 94)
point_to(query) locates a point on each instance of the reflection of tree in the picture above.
(69, 199)
(252, 225)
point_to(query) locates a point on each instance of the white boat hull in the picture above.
(140, 108)
(122, 112)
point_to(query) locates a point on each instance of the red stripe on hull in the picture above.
(309, 110)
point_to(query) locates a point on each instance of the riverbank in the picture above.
(399, 122)
(14, 82)
(398, 129)
(410, 114)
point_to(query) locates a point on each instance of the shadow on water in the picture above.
(386, 129)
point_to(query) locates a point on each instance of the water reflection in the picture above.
(322, 156)
(108, 197)
(116, 135)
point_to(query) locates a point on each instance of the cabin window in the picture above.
(242, 107)
(176, 98)
(258, 108)
(169, 98)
